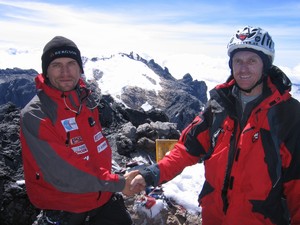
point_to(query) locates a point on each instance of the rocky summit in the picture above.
(130, 130)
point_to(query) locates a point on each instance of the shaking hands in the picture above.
(135, 183)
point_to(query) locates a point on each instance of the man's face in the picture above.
(247, 69)
(64, 73)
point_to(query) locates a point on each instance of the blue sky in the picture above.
(152, 27)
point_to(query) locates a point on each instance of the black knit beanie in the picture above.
(60, 47)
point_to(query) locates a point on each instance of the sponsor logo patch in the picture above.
(102, 146)
(81, 149)
(76, 140)
(98, 136)
(69, 124)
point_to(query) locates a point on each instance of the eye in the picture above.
(252, 61)
(237, 61)
(56, 65)
(72, 63)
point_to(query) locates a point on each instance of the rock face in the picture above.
(181, 99)
(17, 86)
(130, 130)
(15, 207)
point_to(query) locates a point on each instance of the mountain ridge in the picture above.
(147, 86)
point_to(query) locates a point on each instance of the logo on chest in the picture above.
(102, 147)
(98, 136)
(75, 140)
(81, 149)
(69, 124)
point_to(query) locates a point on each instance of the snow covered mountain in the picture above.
(122, 71)
(130, 79)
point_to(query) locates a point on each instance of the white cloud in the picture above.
(152, 28)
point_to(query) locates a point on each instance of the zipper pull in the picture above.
(68, 139)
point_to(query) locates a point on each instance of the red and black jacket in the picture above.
(252, 159)
(67, 160)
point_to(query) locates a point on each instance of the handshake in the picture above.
(135, 183)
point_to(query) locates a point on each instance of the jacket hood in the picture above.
(280, 79)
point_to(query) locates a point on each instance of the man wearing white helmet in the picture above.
(248, 139)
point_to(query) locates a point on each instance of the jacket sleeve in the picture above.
(191, 146)
(59, 166)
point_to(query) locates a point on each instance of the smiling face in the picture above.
(247, 68)
(64, 73)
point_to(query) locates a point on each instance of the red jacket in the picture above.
(252, 166)
(66, 158)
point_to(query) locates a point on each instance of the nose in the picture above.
(243, 67)
(64, 69)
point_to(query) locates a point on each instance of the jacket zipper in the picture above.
(228, 180)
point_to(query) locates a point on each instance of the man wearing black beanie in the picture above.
(60, 47)
(67, 160)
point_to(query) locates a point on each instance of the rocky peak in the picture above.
(17, 86)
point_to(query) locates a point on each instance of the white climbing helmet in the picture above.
(254, 38)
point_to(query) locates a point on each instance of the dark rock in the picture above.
(15, 207)
(138, 117)
(146, 130)
(17, 86)
(129, 131)
(146, 144)
(124, 145)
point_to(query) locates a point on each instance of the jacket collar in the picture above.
(74, 98)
